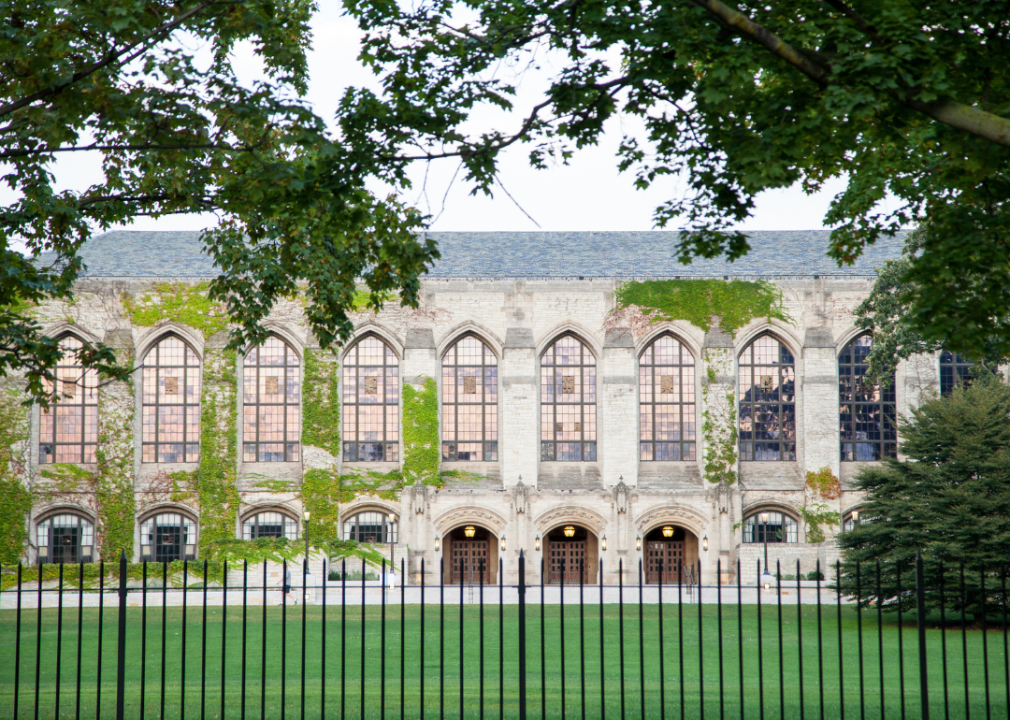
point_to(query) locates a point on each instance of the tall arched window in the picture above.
(470, 402)
(776, 526)
(666, 401)
(68, 428)
(867, 412)
(371, 527)
(568, 402)
(168, 536)
(270, 524)
(66, 538)
(171, 403)
(767, 401)
(271, 393)
(954, 369)
(371, 402)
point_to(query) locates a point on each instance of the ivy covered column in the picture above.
(15, 492)
(216, 477)
(422, 449)
(718, 453)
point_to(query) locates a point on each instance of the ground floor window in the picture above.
(168, 536)
(65, 538)
(370, 527)
(776, 526)
(270, 525)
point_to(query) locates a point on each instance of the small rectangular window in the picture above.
(766, 383)
(568, 385)
(371, 386)
(469, 386)
(171, 386)
(69, 388)
(271, 386)
(666, 384)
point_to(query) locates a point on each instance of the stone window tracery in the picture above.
(171, 403)
(954, 370)
(65, 538)
(666, 401)
(168, 536)
(371, 402)
(269, 524)
(866, 411)
(271, 395)
(68, 428)
(568, 402)
(767, 376)
(470, 402)
(776, 525)
(371, 527)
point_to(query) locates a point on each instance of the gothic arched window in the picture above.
(866, 411)
(65, 538)
(171, 406)
(774, 525)
(470, 402)
(767, 401)
(371, 527)
(666, 401)
(568, 402)
(270, 524)
(68, 428)
(270, 398)
(371, 402)
(954, 370)
(168, 536)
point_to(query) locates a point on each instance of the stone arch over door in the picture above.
(584, 544)
(450, 528)
(682, 547)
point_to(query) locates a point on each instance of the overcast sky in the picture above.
(589, 194)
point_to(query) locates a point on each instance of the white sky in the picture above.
(589, 194)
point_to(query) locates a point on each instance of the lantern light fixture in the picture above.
(569, 531)
(855, 517)
(503, 543)
(704, 543)
(538, 543)
(668, 531)
(306, 515)
(438, 543)
(603, 543)
(764, 517)
(638, 542)
(469, 531)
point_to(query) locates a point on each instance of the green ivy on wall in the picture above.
(734, 302)
(422, 452)
(321, 402)
(718, 430)
(187, 304)
(15, 497)
(217, 493)
(816, 517)
(114, 454)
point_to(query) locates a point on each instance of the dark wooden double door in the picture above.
(663, 558)
(566, 559)
(469, 562)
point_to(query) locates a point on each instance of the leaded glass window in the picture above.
(371, 527)
(68, 428)
(271, 525)
(270, 410)
(568, 402)
(470, 402)
(168, 536)
(371, 402)
(776, 526)
(867, 411)
(954, 370)
(666, 403)
(65, 538)
(171, 403)
(767, 401)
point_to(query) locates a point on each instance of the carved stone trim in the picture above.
(472, 515)
(681, 515)
(569, 514)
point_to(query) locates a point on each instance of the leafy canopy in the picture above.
(949, 499)
(907, 97)
(178, 133)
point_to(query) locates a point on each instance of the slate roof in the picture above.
(520, 254)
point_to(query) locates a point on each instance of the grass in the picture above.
(690, 666)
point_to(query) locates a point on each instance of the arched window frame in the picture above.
(573, 438)
(253, 524)
(782, 527)
(45, 532)
(767, 407)
(364, 526)
(271, 422)
(163, 439)
(954, 368)
(867, 414)
(68, 428)
(666, 401)
(357, 388)
(170, 517)
(469, 402)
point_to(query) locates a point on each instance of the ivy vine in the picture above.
(15, 497)
(321, 402)
(422, 452)
(187, 304)
(719, 432)
(824, 483)
(216, 476)
(816, 517)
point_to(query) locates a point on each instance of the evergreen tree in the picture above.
(948, 498)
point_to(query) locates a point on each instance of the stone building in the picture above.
(580, 430)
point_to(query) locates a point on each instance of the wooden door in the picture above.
(566, 557)
(667, 555)
(468, 558)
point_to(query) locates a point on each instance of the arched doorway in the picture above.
(569, 548)
(671, 554)
(469, 551)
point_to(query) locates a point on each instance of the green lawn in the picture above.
(284, 672)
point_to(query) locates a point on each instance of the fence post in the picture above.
(920, 619)
(121, 651)
(522, 636)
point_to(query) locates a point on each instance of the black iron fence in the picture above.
(170, 644)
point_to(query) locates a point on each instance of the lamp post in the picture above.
(766, 577)
(306, 516)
